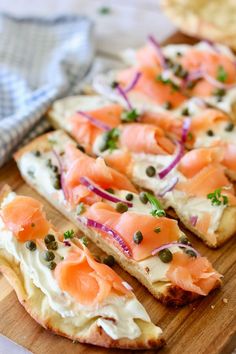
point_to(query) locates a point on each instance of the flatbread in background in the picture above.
(211, 19)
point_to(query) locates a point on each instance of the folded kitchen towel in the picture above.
(40, 60)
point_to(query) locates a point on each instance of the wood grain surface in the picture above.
(207, 326)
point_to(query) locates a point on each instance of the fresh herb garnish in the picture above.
(31, 173)
(104, 10)
(157, 209)
(69, 234)
(110, 140)
(217, 198)
(80, 209)
(129, 116)
(169, 82)
(221, 74)
(84, 241)
(190, 136)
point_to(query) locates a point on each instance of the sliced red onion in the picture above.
(158, 51)
(199, 101)
(193, 220)
(177, 158)
(185, 129)
(133, 82)
(200, 74)
(169, 188)
(101, 192)
(122, 92)
(67, 243)
(192, 76)
(61, 171)
(179, 244)
(127, 286)
(104, 228)
(97, 123)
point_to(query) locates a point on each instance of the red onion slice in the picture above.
(127, 285)
(133, 82)
(101, 192)
(193, 220)
(101, 227)
(67, 243)
(97, 123)
(125, 97)
(185, 129)
(61, 171)
(169, 188)
(179, 244)
(200, 74)
(158, 51)
(177, 158)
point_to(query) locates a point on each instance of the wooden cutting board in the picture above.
(206, 326)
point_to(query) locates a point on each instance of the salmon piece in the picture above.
(79, 165)
(128, 223)
(195, 160)
(203, 224)
(192, 274)
(145, 138)
(206, 181)
(164, 121)
(88, 281)
(24, 216)
(148, 85)
(120, 160)
(206, 119)
(147, 56)
(85, 133)
(229, 160)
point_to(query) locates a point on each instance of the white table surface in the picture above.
(127, 25)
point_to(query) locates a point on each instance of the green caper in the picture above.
(165, 255)
(229, 127)
(219, 93)
(49, 163)
(138, 237)
(179, 54)
(185, 111)
(190, 253)
(52, 246)
(49, 238)
(210, 132)
(183, 239)
(57, 183)
(150, 171)
(190, 85)
(52, 265)
(37, 153)
(55, 168)
(143, 197)
(157, 230)
(169, 63)
(80, 147)
(110, 190)
(129, 196)
(179, 71)
(109, 260)
(167, 105)
(121, 207)
(31, 245)
(114, 84)
(48, 256)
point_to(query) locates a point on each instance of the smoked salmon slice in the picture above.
(192, 274)
(207, 119)
(128, 223)
(24, 216)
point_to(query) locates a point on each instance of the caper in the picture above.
(49, 238)
(210, 132)
(114, 84)
(229, 127)
(150, 171)
(191, 84)
(179, 71)
(179, 54)
(55, 168)
(190, 253)
(57, 183)
(84, 241)
(167, 105)
(219, 93)
(183, 239)
(110, 190)
(52, 265)
(165, 255)
(80, 147)
(52, 246)
(121, 207)
(185, 111)
(157, 230)
(143, 197)
(49, 163)
(129, 196)
(48, 256)
(37, 153)
(109, 260)
(31, 245)
(138, 237)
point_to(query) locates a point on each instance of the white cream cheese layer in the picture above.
(220, 134)
(123, 310)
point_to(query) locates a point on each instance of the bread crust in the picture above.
(35, 303)
(167, 293)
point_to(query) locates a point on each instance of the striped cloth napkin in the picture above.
(40, 60)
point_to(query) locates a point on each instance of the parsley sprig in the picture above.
(169, 82)
(217, 198)
(110, 140)
(129, 116)
(221, 74)
(157, 209)
(69, 234)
